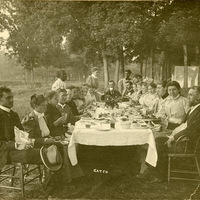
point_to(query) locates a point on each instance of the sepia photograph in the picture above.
(100, 99)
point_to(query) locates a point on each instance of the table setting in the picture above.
(114, 127)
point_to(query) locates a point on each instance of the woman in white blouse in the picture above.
(144, 93)
(175, 106)
(151, 98)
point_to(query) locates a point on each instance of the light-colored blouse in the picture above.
(176, 109)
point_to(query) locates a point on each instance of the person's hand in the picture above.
(49, 140)
(28, 146)
(169, 141)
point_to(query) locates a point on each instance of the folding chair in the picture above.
(186, 154)
(9, 173)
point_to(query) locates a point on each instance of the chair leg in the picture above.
(13, 173)
(169, 168)
(40, 173)
(22, 179)
(197, 164)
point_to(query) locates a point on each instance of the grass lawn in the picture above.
(118, 183)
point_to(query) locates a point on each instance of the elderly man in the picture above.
(190, 128)
(60, 82)
(9, 149)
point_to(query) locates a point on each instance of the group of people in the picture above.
(56, 111)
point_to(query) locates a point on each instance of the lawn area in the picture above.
(120, 181)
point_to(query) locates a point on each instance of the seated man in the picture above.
(111, 91)
(129, 89)
(71, 102)
(8, 148)
(190, 128)
(63, 97)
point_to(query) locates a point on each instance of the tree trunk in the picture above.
(197, 63)
(152, 65)
(105, 69)
(162, 66)
(185, 83)
(117, 66)
(122, 61)
(146, 66)
(141, 66)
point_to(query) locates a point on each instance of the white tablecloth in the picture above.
(113, 137)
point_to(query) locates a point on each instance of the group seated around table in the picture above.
(189, 127)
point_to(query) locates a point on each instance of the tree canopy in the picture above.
(84, 34)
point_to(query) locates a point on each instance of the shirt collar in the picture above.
(193, 108)
(175, 97)
(39, 115)
(62, 105)
(5, 109)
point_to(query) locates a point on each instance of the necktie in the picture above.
(43, 126)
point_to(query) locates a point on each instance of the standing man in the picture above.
(60, 82)
(122, 82)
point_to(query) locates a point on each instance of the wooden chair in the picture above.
(9, 173)
(185, 155)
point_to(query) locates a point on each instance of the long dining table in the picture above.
(99, 133)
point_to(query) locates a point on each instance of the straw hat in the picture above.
(51, 157)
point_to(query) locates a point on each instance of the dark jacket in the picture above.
(115, 95)
(31, 125)
(7, 135)
(73, 108)
(70, 117)
(193, 125)
(52, 114)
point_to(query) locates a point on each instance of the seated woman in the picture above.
(55, 121)
(35, 124)
(73, 98)
(144, 93)
(136, 95)
(151, 98)
(175, 106)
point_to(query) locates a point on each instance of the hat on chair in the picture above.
(51, 157)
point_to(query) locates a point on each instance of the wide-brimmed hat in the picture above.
(51, 157)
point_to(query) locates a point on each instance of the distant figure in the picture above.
(122, 82)
(60, 82)
(92, 80)
(137, 78)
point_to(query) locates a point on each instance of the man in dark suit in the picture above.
(111, 92)
(9, 150)
(191, 129)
